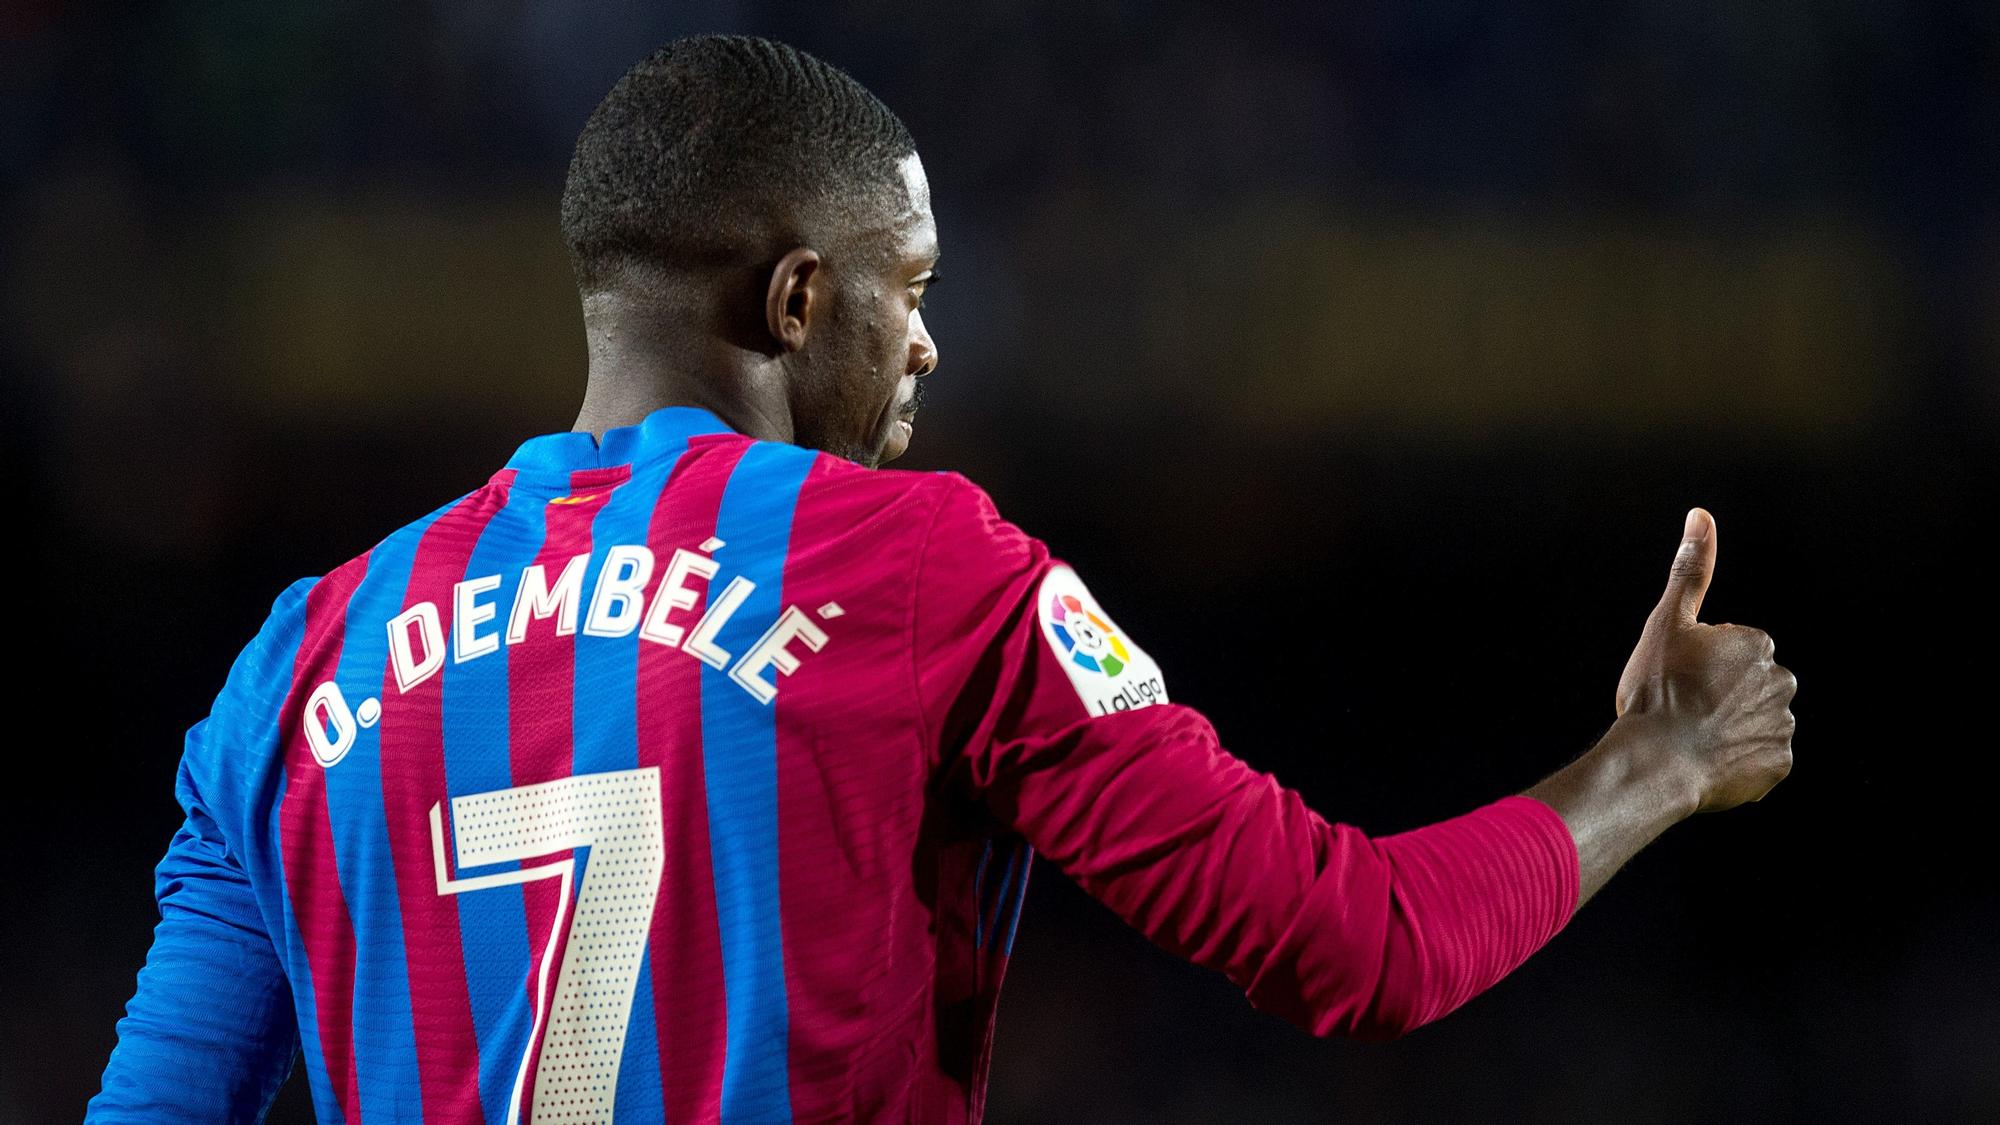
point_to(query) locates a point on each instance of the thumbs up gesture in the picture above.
(1709, 693)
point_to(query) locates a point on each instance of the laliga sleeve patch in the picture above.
(1109, 672)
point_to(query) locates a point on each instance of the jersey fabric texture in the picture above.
(684, 777)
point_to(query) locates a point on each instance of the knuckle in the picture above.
(1780, 684)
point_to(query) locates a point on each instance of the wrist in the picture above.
(1633, 785)
(1640, 752)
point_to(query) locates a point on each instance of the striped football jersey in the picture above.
(683, 777)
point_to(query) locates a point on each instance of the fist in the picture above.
(1710, 697)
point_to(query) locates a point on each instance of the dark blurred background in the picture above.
(1363, 356)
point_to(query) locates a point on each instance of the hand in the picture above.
(1708, 697)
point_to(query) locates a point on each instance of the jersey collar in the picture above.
(663, 433)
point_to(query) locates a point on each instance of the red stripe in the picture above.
(541, 679)
(851, 784)
(305, 831)
(690, 1013)
(413, 779)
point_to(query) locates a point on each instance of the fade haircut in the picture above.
(717, 148)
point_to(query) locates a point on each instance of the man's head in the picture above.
(743, 189)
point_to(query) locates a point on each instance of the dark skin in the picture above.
(1704, 724)
(820, 346)
(823, 346)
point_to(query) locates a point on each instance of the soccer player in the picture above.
(690, 770)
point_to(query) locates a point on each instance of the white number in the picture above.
(609, 918)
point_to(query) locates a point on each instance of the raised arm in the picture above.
(1337, 931)
(1334, 930)
(1704, 724)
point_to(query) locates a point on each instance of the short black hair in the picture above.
(715, 144)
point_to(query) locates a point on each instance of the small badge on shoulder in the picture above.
(1109, 671)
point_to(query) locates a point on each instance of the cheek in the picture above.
(869, 361)
(886, 348)
(849, 361)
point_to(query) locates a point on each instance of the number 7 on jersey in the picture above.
(608, 917)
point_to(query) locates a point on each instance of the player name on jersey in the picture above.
(618, 606)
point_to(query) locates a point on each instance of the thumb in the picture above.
(1694, 563)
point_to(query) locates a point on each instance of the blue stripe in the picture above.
(1020, 897)
(1000, 896)
(606, 721)
(663, 434)
(493, 923)
(979, 896)
(268, 872)
(385, 1049)
(639, 1096)
(740, 754)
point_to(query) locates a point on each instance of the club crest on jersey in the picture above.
(1109, 672)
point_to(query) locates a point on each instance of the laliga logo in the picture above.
(1108, 672)
(1086, 637)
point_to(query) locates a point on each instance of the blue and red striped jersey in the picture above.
(684, 777)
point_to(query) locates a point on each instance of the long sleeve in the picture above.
(1136, 799)
(210, 1032)
(1337, 932)
(209, 1035)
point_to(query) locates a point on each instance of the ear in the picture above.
(792, 298)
